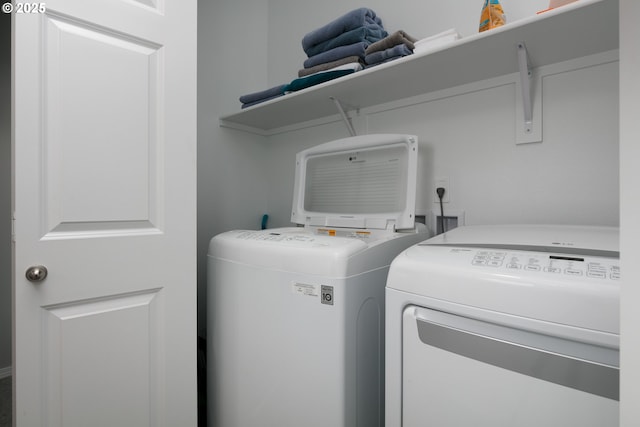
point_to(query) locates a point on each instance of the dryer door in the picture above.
(459, 372)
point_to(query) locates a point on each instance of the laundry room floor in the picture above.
(5, 402)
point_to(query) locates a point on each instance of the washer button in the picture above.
(572, 272)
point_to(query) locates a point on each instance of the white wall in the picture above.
(571, 177)
(5, 190)
(232, 58)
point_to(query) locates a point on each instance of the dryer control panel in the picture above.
(577, 266)
(554, 274)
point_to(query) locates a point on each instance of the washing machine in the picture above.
(296, 314)
(505, 326)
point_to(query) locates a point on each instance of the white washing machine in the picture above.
(296, 315)
(505, 326)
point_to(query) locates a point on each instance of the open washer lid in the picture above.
(364, 181)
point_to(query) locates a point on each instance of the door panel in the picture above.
(82, 350)
(112, 143)
(104, 143)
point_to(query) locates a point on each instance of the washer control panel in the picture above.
(577, 266)
(297, 237)
(275, 236)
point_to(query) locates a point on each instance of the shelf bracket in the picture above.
(528, 130)
(525, 85)
(345, 118)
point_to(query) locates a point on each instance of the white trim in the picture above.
(6, 372)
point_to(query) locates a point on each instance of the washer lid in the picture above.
(364, 181)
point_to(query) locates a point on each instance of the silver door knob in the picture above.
(36, 273)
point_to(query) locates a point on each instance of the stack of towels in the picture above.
(392, 47)
(341, 41)
(343, 46)
(338, 48)
(333, 50)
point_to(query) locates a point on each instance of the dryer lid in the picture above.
(366, 181)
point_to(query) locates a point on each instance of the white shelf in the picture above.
(582, 28)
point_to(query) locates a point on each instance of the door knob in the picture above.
(36, 273)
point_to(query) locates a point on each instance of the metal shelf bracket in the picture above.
(528, 130)
(345, 118)
(525, 85)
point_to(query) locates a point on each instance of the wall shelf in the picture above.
(582, 28)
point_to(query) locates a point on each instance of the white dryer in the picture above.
(296, 315)
(505, 326)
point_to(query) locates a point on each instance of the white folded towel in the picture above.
(436, 41)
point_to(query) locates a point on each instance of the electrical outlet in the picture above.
(443, 182)
(452, 218)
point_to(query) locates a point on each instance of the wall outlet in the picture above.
(443, 182)
(452, 218)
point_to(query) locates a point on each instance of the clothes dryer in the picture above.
(504, 326)
(296, 315)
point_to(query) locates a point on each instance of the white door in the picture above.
(104, 198)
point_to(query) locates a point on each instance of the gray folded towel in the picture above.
(394, 52)
(394, 39)
(328, 65)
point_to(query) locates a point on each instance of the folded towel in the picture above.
(354, 19)
(314, 79)
(258, 101)
(399, 37)
(340, 52)
(329, 65)
(450, 33)
(369, 32)
(263, 94)
(383, 55)
(355, 66)
(437, 41)
(383, 62)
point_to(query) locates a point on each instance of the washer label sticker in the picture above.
(306, 289)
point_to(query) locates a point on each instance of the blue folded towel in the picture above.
(384, 55)
(262, 95)
(369, 32)
(354, 19)
(258, 101)
(312, 80)
(356, 49)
